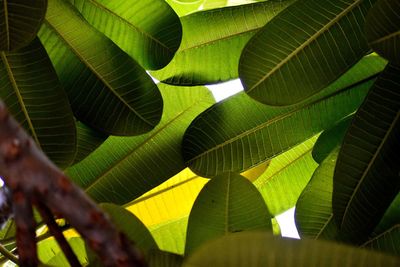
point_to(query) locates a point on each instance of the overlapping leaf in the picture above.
(124, 168)
(50, 253)
(314, 216)
(383, 29)
(256, 249)
(227, 204)
(287, 175)
(19, 22)
(330, 139)
(303, 49)
(147, 30)
(213, 40)
(107, 89)
(366, 177)
(88, 140)
(30, 88)
(390, 218)
(388, 241)
(239, 133)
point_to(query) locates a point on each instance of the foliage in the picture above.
(193, 182)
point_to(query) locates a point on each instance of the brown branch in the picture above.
(58, 235)
(30, 174)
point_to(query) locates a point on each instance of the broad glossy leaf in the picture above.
(383, 29)
(184, 7)
(107, 89)
(284, 180)
(314, 216)
(258, 249)
(388, 241)
(124, 168)
(147, 30)
(129, 224)
(88, 140)
(228, 203)
(158, 258)
(20, 22)
(330, 139)
(366, 177)
(30, 88)
(239, 133)
(165, 209)
(304, 49)
(213, 40)
(50, 253)
(390, 218)
(255, 172)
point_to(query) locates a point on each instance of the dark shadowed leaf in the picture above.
(147, 30)
(314, 217)
(129, 224)
(284, 180)
(383, 29)
(303, 49)
(157, 258)
(390, 218)
(30, 88)
(213, 41)
(258, 249)
(239, 133)
(388, 241)
(366, 177)
(107, 89)
(124, 168)
(88, 140)
(228, 203)
(20, 22)
(329, 139)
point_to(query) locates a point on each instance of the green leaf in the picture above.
(366, 177)
(304, 49)
(88, 140)
(286, 177)
(314, 217)
(107, 89)
(129, 224)
(213, 41)
(124, 168)
(388, 242)
(382, 29)
(239, 133)
(184, 7)
(228, 203)
(50, 253)
(20, 22)
(30, 88)
(157, 258)
(147, 30)
(330, 139)
(390, 218)
(257, 249)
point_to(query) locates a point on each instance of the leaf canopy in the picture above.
(147, 30)
(383, 30)
(30, 88)
(19, 22)
(298, 53)
(368, 166)
(228, 203)
(106, 88)
(123, 168)
(257, 249)
(213, 41)
(239, 133)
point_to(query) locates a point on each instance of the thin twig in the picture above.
(7, 254)
(58, 235)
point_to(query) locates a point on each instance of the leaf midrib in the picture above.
(112, 13)
(312, 38)
(157, 131)
(19, 97)
(386, 37)
(93, 70)
(280, 117)
(5, 5)
(370, 164)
